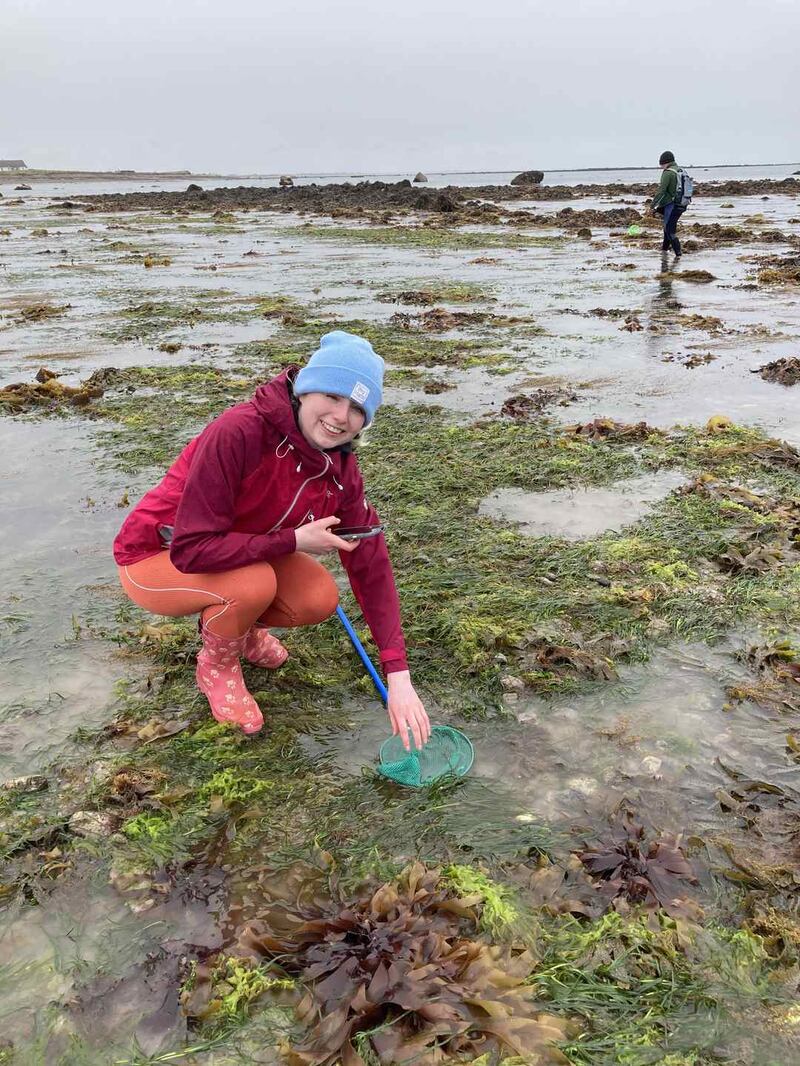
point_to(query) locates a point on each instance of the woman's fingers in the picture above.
(425, 723)
(413, 718)
(344, 545)
(424, 727)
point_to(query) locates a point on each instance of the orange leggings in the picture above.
(292, 590)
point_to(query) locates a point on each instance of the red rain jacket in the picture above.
(237, 492)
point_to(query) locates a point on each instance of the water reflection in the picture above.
(664, 308)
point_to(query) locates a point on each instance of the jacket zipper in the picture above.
(299, 492)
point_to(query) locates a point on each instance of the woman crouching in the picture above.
(230, 531)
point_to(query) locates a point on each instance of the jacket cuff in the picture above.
(284, 542)
(393, 661)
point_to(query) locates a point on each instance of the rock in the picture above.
(420, 176)
(651, 765)
(286, 182)
(718, 424)
(584, 232)
(90, 824)
(194, 188)
(437, 386)
(524, 407)
(528, 715)
(22, 188)
(509, 683)
(784, 371)
(34, 783)
(585, 786)
(529, 177)
(43, 374)
(702, 277)
(632, 324)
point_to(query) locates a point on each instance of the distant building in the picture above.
(13, 164)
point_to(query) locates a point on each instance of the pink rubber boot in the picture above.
(263, 649)
(219, 678)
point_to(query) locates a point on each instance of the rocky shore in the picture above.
(377, 195)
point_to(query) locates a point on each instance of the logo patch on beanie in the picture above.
(360, 392)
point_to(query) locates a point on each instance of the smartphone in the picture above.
(356, 532)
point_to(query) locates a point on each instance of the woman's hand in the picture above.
(406, 710)
(318, 538)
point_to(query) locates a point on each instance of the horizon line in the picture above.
(390, 173)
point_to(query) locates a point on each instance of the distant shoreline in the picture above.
(8, 177)
(31, 174)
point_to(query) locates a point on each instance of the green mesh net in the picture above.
(447, 752)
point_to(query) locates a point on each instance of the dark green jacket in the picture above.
(668, 188)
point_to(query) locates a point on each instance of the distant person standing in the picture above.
(667, 201)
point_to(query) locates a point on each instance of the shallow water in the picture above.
(59, 517)
(624, 375)
(652, 736)
(584, 512)
(620, 175)
(91, 974)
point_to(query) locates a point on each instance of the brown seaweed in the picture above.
(404, 966)
(632, 869)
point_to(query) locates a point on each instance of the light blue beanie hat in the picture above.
(344, 365)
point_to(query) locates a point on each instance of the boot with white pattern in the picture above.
(263, 649)
(219, 678)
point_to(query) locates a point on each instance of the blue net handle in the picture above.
(365, 659)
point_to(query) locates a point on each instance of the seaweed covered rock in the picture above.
(701, 277)
(529, 177)
(776, 684)
(780, 270)
(783, 371)
(439, 320)
(47, 391)
(608, 429)
(524, 406)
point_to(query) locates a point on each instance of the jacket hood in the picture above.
(274, 401)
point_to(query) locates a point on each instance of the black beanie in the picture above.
(666, 157)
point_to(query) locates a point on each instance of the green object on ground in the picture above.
(447, 752)
(634, 230)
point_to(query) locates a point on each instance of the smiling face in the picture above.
(327, 421)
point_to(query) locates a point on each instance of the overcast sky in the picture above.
(244, 86)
